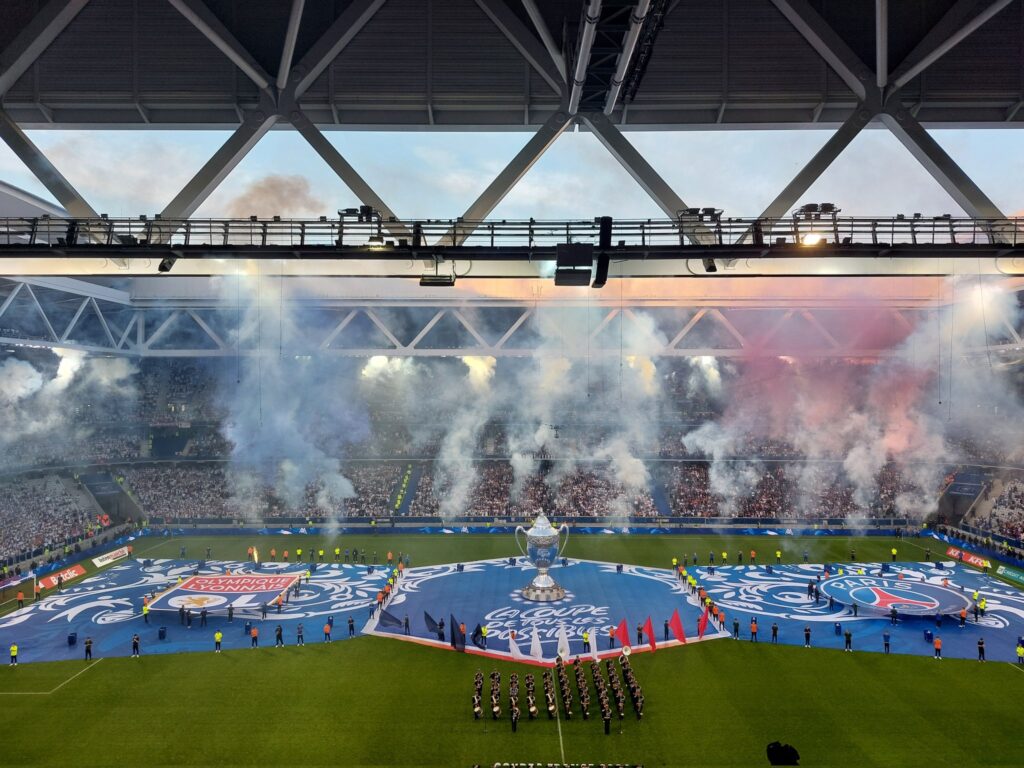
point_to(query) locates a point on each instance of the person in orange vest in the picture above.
(21, 599)
(611, 637)
(280, 602)
(721, 619)
(38, 590)
(254, 635)
(753, 630)
(249, 553)
(938, 648)
(963, 618)
(327, 633)
(286, 555)
(131, 552)
(390, 557)
(753, 557)
(401, 567)
(273, 555)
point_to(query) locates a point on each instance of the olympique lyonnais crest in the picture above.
(219, 592)
(908, 597)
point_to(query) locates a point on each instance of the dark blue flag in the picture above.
(431, 624)
(389, 620)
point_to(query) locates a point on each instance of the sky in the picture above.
(437, 175)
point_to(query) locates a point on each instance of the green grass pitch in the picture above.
(373, 701)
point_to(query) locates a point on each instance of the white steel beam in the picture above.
(828, 44)
(940, 165)
(42, 314)
(545, 36)
(333, 42)
(30, 43)
(74, 320)
(644, 175)
(823, 158)
(11, 297)
(43, 169)
(81, 288)
(218, 167)
(881, 42)
(509, 177)
(290, 35)
(103, 321)
(636, 24)
(203, 19)
(214, 336)
(347, 173)
(959, 22)
(524, 41)
(591, 16)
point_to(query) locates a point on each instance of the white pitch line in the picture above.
(558, 721)
(53, 690)
(79, 672)
(1018, 667)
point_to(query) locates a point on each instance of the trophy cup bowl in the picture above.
(543, 548)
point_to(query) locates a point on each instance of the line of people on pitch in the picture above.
(340, 555)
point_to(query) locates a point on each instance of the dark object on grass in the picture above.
(782, 754)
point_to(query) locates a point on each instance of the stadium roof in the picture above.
(482, 64)
(603, 66)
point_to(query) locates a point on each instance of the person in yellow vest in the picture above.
(725, 558)
(307, 575)
(483, 636)
(337, 554)
(14, 654)
(675, 562)
(586, 641)
(893, 553)
(1020, 654)
(145, 613)
(974, 596)
(778, 556)
(320, 552)
(982, 605)
(217, 637)
(298, 554)
(179, 579)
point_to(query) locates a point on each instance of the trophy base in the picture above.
(545, 594)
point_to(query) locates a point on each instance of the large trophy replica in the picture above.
(542, 550)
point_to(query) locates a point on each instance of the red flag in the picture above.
(622, 633)
(676, 625)
(649, 629)
(703, 623)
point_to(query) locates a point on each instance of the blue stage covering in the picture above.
(486, 592)
(108, 608)
(781, 597)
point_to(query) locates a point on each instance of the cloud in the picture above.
(275, 195)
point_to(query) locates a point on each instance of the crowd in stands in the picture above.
(184, 491)
(780, 490)
(37, 514)
(1008, 511)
